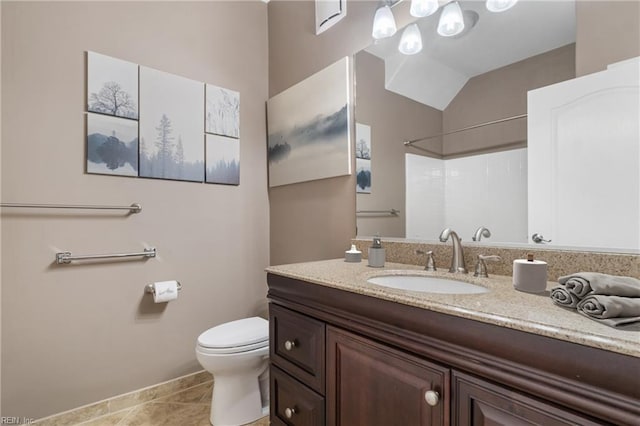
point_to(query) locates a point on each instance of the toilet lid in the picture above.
(242, 332)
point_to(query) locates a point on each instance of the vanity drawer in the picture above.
(292, 403)
(297, 345)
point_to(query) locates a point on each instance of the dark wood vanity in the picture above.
(342, 358)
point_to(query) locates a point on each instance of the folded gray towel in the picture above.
(586, 283)
(561, 296)
(611, 310)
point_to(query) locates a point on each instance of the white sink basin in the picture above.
(427, 284)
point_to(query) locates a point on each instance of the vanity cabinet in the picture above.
(368, 361)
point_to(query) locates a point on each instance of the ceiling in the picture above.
(436, 74)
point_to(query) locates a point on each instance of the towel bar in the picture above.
(66, 257)
(392, 212)
(133, 208)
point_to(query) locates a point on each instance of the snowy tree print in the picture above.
(222, 111)
(112, 86)
(172, 118)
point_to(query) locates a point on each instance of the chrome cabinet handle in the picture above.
(539, 239)
(289, 344)
(432, 398)
(289, 412)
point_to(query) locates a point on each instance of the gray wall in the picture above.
(76, 334)
(607, 32)
(393, 118)
(0, 219)
(314, 220)
(498, 94)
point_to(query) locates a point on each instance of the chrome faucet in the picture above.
(457, 258)
(481, 232)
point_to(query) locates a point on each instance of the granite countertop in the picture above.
(502, 305)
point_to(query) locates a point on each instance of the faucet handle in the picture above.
(431, 263)
(481, 266)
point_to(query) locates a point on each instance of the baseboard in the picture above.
(120, 402)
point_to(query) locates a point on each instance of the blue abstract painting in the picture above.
(309, 128)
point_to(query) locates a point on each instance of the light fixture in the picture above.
(384, 25)
(422, 8)
(451, 21)
(411, 41)
(500, 5)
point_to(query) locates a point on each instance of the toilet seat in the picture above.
(241, 350)
(235, 337)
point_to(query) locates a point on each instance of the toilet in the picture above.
(237, 354)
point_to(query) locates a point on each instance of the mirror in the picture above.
(462, 103)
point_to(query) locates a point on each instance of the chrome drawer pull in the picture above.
(289, 344)
(432, 398)
(289, 412)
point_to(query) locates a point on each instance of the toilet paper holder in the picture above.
(151, 290)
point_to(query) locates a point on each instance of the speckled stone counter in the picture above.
(560, 261)
(502, 305)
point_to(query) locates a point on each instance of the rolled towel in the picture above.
(561, 296)
(585, 283)
(611, 310)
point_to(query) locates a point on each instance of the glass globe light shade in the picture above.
(500, 5)
(451, 21)
(422, 8)
(411, 41)
(384, 25)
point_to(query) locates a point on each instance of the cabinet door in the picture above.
(476, 402)
(371, 384)
(292, 403)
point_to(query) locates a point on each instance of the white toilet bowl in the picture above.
(237, 354)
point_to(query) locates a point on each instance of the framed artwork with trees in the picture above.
(222, 111)
(112, 126)
(112, 86)
(223, 160)
(149, 123)
(171, 126)
(112, 145)
(363, 158)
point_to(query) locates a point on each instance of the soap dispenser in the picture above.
(376, 253)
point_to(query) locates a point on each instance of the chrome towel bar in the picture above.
(133, 208)
(66, 257)
(392, 212)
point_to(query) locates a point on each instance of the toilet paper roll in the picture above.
(530, 276)
(164, 291)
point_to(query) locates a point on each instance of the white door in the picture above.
(584, 159)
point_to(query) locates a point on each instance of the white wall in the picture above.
(465, 193)
(425, 195)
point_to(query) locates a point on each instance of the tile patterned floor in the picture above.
(186, 408)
